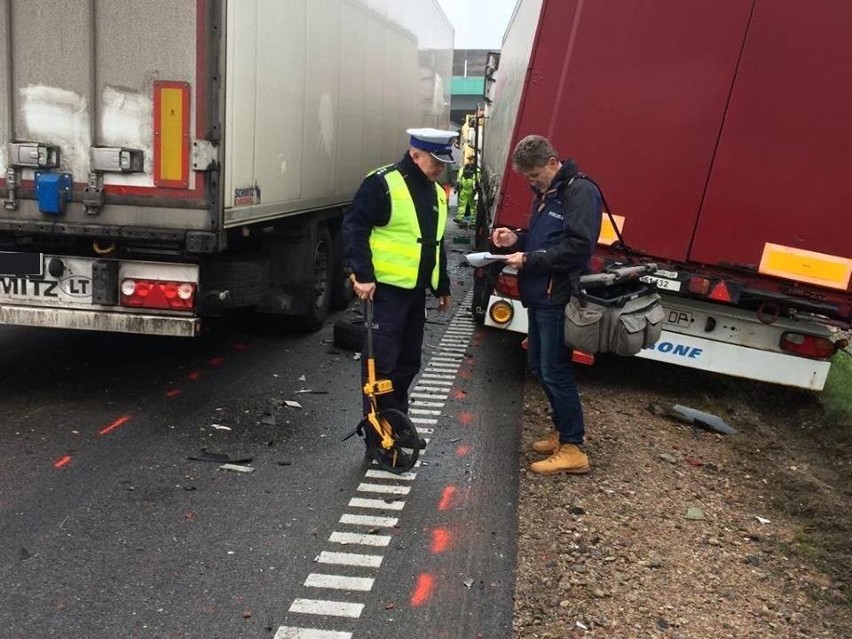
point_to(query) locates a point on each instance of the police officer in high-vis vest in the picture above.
(394, 238)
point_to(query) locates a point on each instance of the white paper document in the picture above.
(481, 259)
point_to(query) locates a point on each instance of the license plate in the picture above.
(21, 264)
(662, 283)
(679, 318)
(73, 286)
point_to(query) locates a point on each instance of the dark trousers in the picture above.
(399, 316)
(550, 361)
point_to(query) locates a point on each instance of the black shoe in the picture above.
(421, 443)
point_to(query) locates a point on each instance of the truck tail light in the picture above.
(720, 292)
(807, 345)
(501, 312)
(698, 285)
(158, 294)
(507, 284)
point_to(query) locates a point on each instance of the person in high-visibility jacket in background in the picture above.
(466, 189)
(393, 234)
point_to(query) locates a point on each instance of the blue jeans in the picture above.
(550, 362)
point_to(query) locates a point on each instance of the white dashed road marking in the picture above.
(433, 386)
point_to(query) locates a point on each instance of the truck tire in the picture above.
(349, 334)
(342, 293)
(245, 281)
(319, 295)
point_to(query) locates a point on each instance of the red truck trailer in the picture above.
(719, 133)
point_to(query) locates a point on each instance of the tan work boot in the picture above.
(547, 446)
(568, 458)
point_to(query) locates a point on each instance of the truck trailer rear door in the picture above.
(780, 192)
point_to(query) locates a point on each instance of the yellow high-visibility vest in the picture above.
(397, 247)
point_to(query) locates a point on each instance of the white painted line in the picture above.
(440, 367)
(370, 520)
(454, 342)
(442, 394)
(436, 376)
(384, 489)
(434, 391)
(361, 540)
(291, 632)
(383, 474)
(449, 358)
(453, 349)
(423, 420)
(377, 504)
(421, 404)
(339, 582)
(423, 411)
(328, 608)
(349, 559)
(426, 431)
(434, 384)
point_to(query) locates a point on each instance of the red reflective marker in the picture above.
(216, 361)
(423, 589)
(466, 417)
(173, 393)
(462, 450)
(118, 423)
(441, 539)
(195, 375)
(447, 498)
(62, 461)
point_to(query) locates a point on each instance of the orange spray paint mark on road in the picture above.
(466, 417)
(118, 423)
(462, 450)
(173, 393)
(239, 347)
(216, 361)
(195, 375)
(459, 394)
(62, 461)
(465, 373)
(441, 539)
(447, 498)
(422, 589)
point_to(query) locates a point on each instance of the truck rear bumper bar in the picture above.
(100, 321)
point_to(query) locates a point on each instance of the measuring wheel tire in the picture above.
(402, 456)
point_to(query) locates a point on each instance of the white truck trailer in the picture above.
(164, 161)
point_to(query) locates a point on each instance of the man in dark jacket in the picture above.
(394, 240)
(563, 230)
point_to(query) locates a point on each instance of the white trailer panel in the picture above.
(319, 93)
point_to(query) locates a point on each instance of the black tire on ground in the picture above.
(349, 334)
(246, 282)
(341, 288)
(319, 296)
(479, 305)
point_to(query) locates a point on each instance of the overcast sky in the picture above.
(479, 24)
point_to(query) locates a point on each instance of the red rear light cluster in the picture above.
(158, 294)
(807, 345)
(718, 290)
(507, 285)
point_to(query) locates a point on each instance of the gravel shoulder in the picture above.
(613, 554)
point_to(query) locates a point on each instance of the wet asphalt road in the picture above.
(109, 531)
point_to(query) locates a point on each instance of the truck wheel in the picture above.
(479, 304)
(341, 288)
(319, 295)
